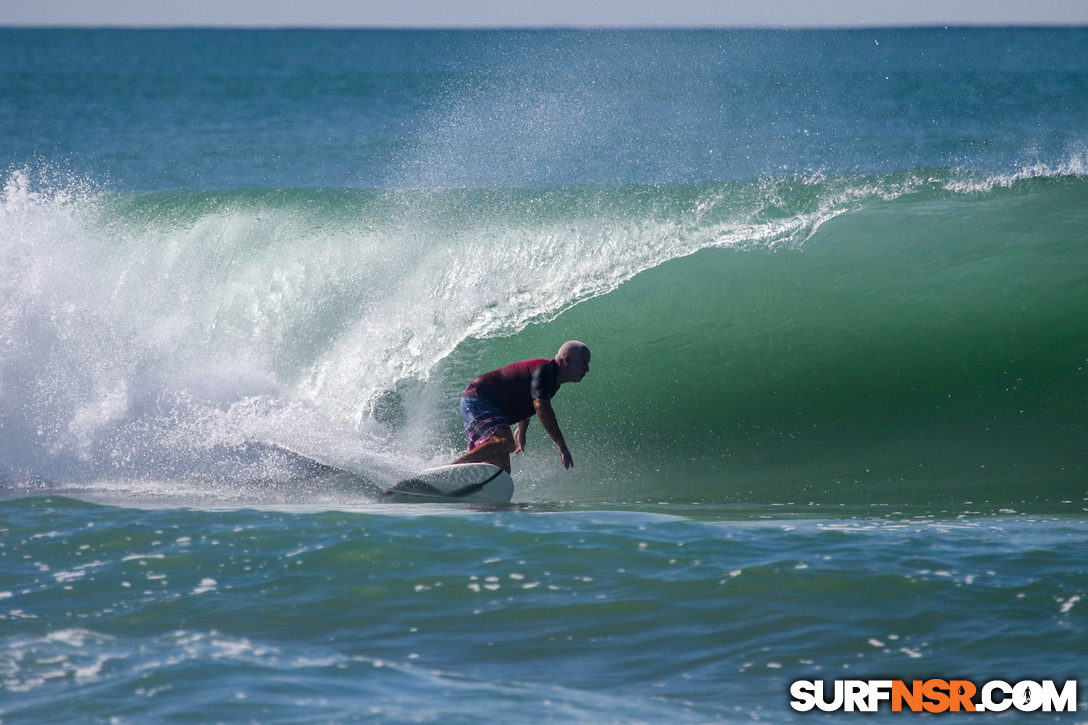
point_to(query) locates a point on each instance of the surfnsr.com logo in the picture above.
(934, 695)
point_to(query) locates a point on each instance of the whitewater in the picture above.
(836, 288)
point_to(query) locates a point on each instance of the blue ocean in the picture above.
(835, 283)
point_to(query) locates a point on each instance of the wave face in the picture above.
(883, 337)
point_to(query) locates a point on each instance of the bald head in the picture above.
(572, 346)
(573, 360)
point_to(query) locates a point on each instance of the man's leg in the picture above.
(495, 450)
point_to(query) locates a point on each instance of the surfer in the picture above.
(497, 400)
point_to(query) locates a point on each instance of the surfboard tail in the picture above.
(479, 482)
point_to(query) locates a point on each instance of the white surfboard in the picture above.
(464, 482)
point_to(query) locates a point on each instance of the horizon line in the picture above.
(543, 27)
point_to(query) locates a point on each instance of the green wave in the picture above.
(928, 346)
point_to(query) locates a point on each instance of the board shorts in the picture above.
(481, 419)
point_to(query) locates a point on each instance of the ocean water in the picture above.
(836, 424)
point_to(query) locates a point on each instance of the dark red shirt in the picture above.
(513, 388)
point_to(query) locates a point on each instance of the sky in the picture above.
(541, 13)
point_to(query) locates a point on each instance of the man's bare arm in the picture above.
(551, 426)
